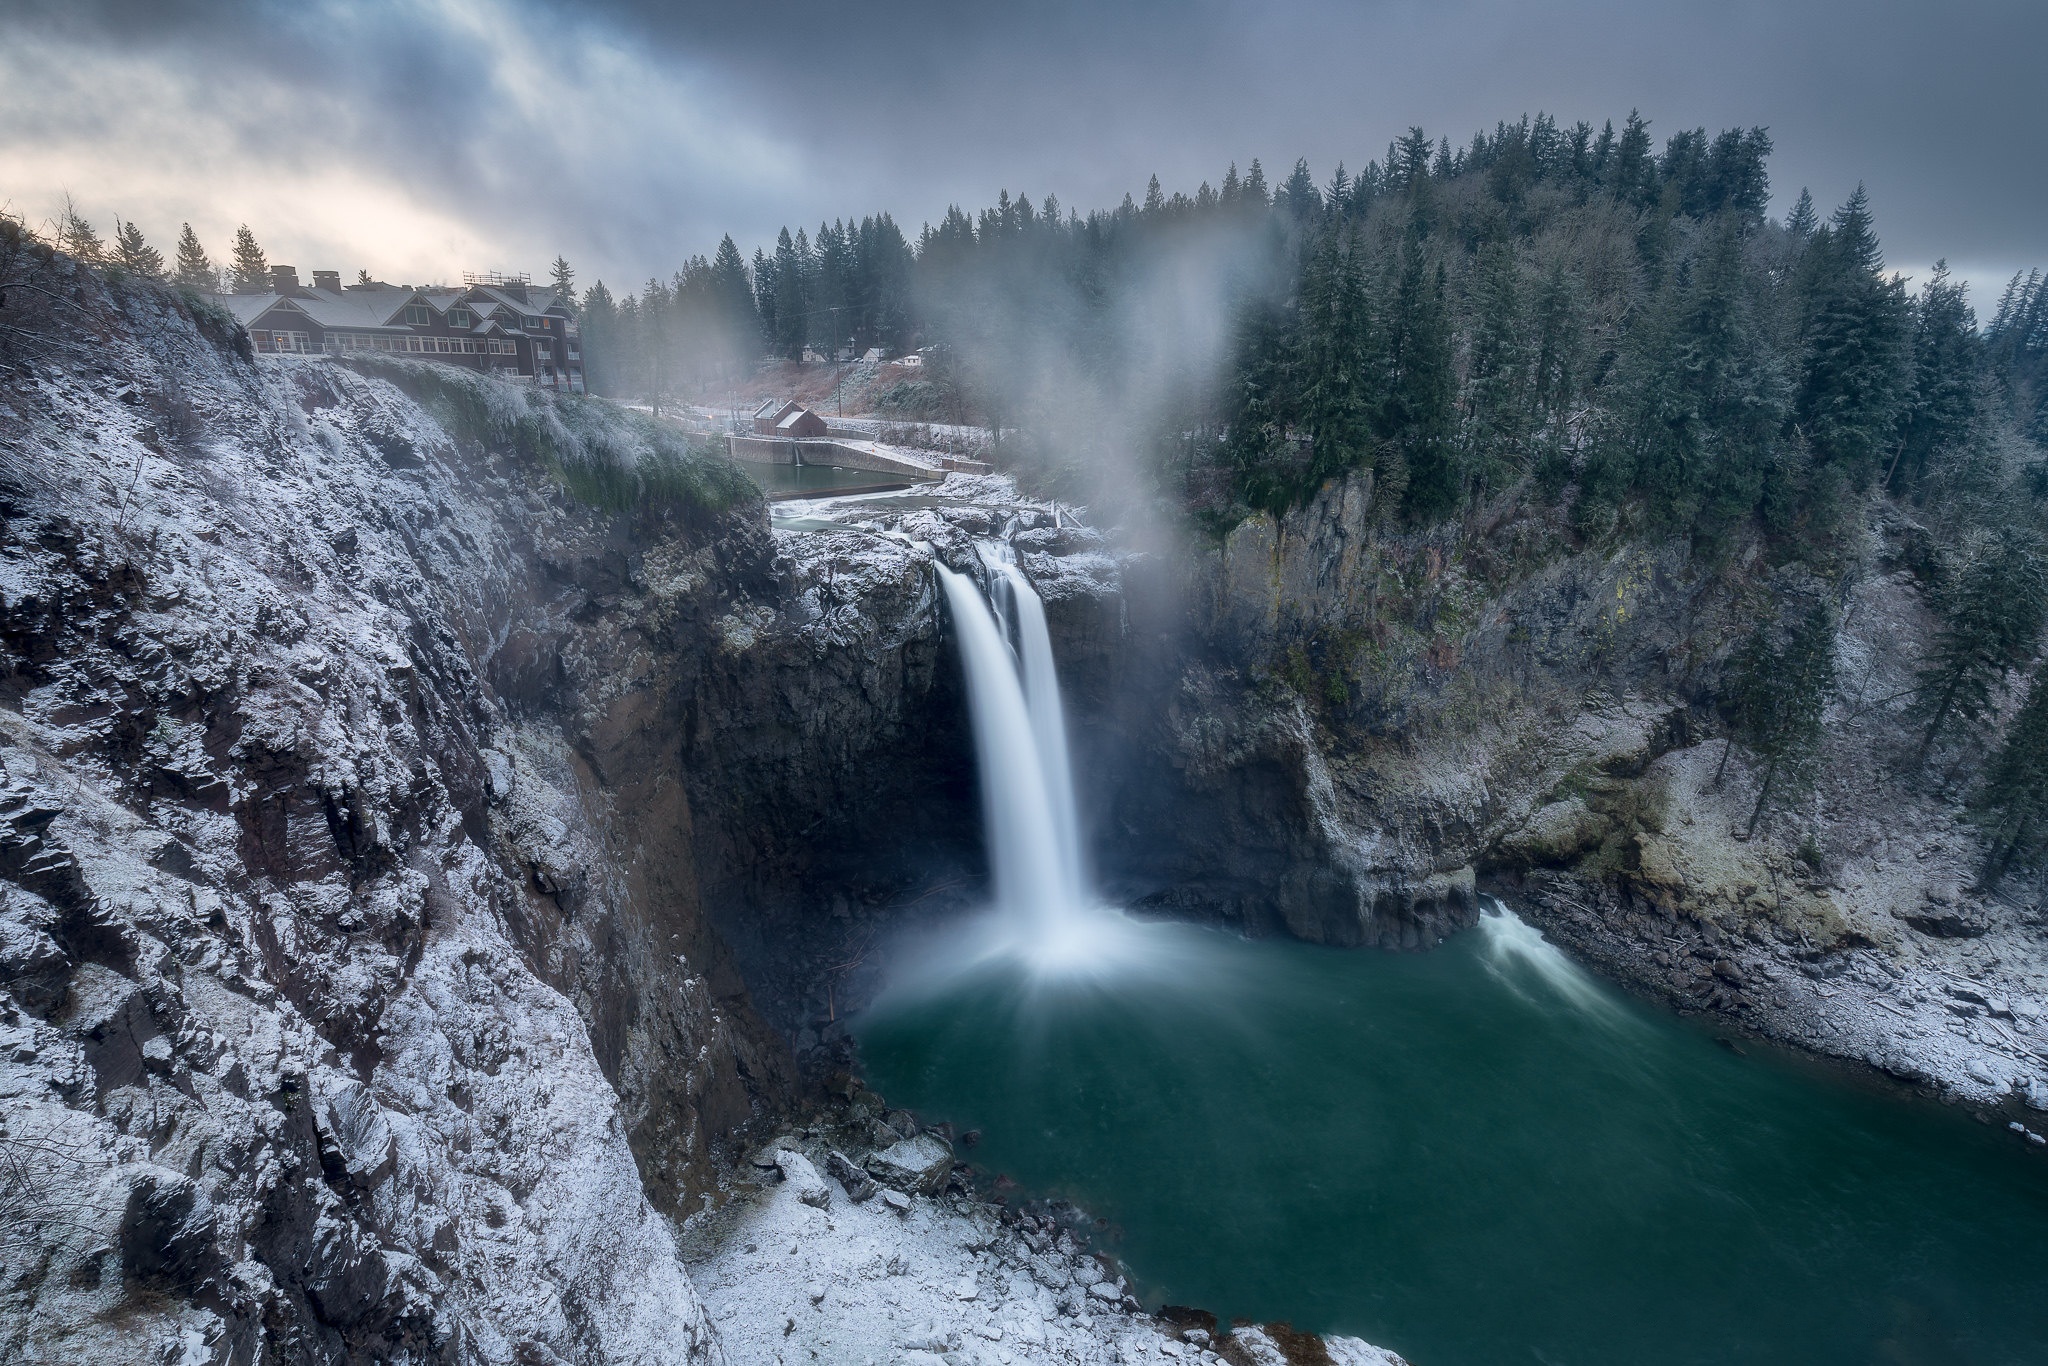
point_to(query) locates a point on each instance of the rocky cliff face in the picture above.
(1346, 733)
(371, 812)
(352, 927)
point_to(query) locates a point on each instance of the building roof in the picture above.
(536, 301)
(773, 407)
(796, 416)
(362, 308)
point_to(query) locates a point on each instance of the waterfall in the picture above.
(1048, 723)
(1020, 742)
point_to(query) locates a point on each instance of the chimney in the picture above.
(328, 280)
(284, 279)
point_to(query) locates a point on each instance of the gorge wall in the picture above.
(363, 796)
(416, 877)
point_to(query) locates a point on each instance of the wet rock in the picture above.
(919, 1165)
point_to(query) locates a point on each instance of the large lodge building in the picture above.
(495, 323)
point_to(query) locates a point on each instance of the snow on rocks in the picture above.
(947, 1281)
(919, 1164)
(300, 1069)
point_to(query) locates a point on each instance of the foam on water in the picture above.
(1046, 915)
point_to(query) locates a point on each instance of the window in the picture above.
(461, 317)
(262, 340)
(575, 353)
(418, 315)
(533, 323)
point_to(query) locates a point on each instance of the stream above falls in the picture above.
(1479, 1154)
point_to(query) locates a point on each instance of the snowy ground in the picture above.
(925, 1280)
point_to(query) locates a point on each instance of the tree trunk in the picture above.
(1727, 743)
(1763, 795)
(1948, 700)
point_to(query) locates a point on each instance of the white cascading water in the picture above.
(1026, 779)
(1048, 726)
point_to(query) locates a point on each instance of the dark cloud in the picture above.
(628, 134)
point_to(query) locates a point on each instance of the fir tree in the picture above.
(1336, 340)
(1419, 403)
(792, 294)
(732, 292)
(1947, 356)
(135, 255)
(563, 279)
(1992, 614)
(1802, 221)
(1855, 372)
(252, 271)
(194, 270)
(598, 315)
(2011, 805)
(77, 236)
(1775, 695)
(1496, 406)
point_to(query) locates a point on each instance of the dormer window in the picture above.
(461, 317)
(418, 315)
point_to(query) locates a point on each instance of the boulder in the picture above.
(918, 1164)
(797, 1170)
(1942, 920)
(859, 1185)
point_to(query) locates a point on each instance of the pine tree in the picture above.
(195, 271)
(77, 236)
(792, 295)
(252, 271)
(598, 315)
(1802, 221)
(135, 255)
(1299, 194)
(1336, 365)
(1497, 411)
(1992, 614)
(1947, 359)
(564, 280)
(1419, 407)
(1855, 376)
(1255, 185)
(733, 293)
(1775, 695)
(2011, 805)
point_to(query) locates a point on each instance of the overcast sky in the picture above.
(424, 138)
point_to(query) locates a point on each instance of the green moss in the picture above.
(603, 456)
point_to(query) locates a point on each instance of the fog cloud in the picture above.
(420, 139)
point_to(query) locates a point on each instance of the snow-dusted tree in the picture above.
(77, 237)
(564, 280)
(2012, 804)
(252, 271)
(134, 254)
(195, 271)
